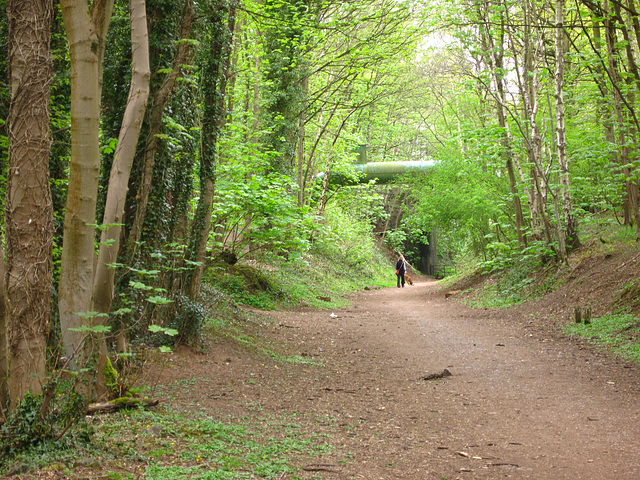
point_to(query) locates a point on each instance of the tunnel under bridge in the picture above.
(422, 256)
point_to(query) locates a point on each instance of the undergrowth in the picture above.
(172, 445)
(514, 277)
(619, 333)
(317, 281)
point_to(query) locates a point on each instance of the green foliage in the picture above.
(346, 237)
(150, 313)
(207, 447)
(515, 279)
(248, 286)
(619, 333)
(262, 217)
(504, 256)
(462, 202)
(25, 428)
(395, 240)
(28, 431)
(187, 320)
(284, 69)
(112, 378)
(343, 257)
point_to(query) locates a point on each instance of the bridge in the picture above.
(424, 254)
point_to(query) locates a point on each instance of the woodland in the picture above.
(145, 145)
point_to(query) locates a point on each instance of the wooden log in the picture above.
(118, 404)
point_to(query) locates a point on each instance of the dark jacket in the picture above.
(401, 266)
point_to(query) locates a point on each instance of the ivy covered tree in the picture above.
(29, 213)
(214, 75)
(284, 78)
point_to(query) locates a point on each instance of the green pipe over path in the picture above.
(386, 172)
(382, 172)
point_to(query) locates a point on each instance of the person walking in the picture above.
(401, 268)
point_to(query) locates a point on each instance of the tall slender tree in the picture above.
(103, 285)
(570, 223)
(222, 20)
(86, 25)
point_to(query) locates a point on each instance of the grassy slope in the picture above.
(601, 277)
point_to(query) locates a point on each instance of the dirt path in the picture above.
(520, 403)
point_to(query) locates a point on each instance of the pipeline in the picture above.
(381, 172)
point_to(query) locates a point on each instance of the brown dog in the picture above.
(407, 278)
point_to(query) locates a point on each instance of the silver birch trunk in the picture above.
(534, 148)
(570, 226)
(103, 283)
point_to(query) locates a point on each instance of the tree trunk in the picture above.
(496, 63)
(300, 146)
(630, 201)
(570, 223)
(524, 76)
(4, 361)
(534, 142)
(159, 101)
(86, 27)
(29, 212)
(634, 84)
(214, 86)
(123, 159)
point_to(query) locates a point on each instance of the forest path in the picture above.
(522, 402)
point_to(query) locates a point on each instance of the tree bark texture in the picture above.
(570, 223)
(29, 212)
(86, 27)
(4, 361)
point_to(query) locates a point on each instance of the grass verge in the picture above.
(619, 333)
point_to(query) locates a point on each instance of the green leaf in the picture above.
(96, 329)
(158, 300)
(139, 285)
(167, 331)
